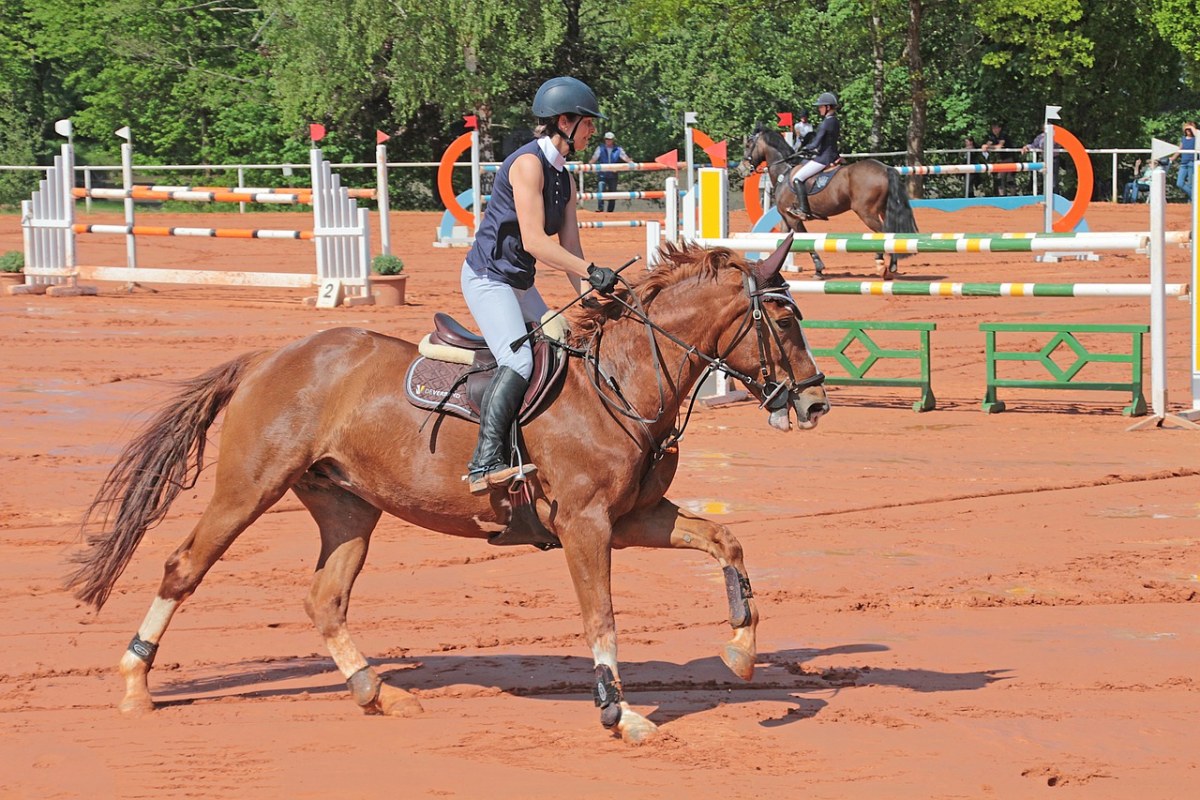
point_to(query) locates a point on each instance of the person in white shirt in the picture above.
(802, 129)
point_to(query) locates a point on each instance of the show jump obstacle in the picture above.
(340, 234)
(1153, 243)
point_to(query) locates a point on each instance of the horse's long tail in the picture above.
(165, 459)
(899, 215)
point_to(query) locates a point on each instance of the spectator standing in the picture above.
(609, 152)
(1038, 146)
(1187, 158)
(802, 129)
(970, 145)
(994, 142)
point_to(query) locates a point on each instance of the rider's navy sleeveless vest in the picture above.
(498, 251)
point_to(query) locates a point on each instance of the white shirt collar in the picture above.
(556, 159)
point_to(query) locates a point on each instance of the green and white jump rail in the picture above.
(947, 242)
(948, 289)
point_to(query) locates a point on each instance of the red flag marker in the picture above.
(785, 118)
(381, 137)
(670, 160)
(316, 132)
(471, 120)
(718, 152)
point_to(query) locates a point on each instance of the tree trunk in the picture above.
(919, 97)
(876, 137)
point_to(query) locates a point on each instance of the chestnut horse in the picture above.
(869, 188)
(325, 418)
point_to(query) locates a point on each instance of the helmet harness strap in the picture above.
(569, 137)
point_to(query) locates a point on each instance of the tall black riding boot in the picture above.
(800, 208)
(489, 466)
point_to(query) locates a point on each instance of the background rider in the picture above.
(824, 147)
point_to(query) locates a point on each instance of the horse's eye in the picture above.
(784, 322)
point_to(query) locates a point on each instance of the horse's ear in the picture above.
(766, 270)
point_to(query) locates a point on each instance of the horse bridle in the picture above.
(767, 162)
(775, 393)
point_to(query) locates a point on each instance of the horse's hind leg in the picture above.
(346, 522)
(236, 503)
(667, 525)
(873, 219)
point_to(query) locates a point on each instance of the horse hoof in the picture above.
(739, 661)
(395, 702)
(636, 729)
(136, 706)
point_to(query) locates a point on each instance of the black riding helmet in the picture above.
(565, 95)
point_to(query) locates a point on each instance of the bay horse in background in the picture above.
(871, 189)
(325, 418)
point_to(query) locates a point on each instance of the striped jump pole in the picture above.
(615, 223)
(211, 233)
(948, 289)
(824, 243)
(648, 195)
(368, 194)
(969, 169)
(191, 196)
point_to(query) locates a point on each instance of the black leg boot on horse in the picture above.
(490, 467)
(801, 209)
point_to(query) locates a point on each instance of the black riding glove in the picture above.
(602, 279)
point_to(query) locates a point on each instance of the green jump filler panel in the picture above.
(1064, 336)
(858, 331)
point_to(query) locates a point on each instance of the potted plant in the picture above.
(12, 268)
(388, 280)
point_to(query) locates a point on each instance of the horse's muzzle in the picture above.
(744, 168)
(810, 405)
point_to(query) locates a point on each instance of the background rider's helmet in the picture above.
(827, 99)
(564, 95)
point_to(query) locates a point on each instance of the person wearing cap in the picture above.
(530, 219)
(802, 129)
(824, 148)
(609, 152)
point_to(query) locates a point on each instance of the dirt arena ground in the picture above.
(955, 604)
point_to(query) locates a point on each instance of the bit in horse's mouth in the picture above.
(780, 419)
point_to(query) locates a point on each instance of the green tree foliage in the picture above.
(18, 110)
(1176, 22)
(240, 80)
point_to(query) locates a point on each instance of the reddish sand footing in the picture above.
(953, 604)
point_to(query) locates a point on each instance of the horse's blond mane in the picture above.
(678, 263)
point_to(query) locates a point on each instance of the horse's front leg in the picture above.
(667, 525)
(589, 558)
(796, 224)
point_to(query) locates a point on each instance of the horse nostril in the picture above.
(818, 409)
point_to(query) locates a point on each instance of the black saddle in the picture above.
(457, 387)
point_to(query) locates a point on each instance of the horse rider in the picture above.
(824, 147)
(530, 219)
